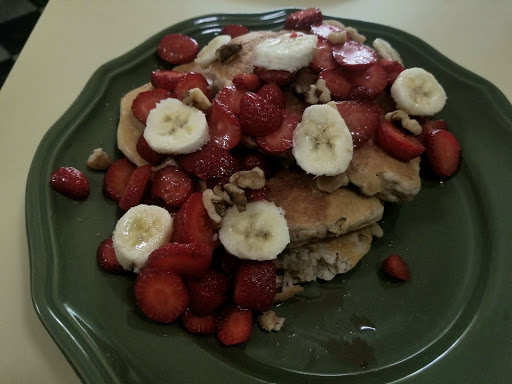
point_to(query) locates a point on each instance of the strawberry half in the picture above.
(428, 126)
(146, 101)
(234, 30)
(278, 76)
(160, 294)
(176, 48)
(192, 80)
(394, 266)
(397, 142)
(273, 94)
(368, 83)
(255, 285)
(70, 182)
(117, 178)
(136, 187)
(209, 292)
(443, 152)
(281, 140)
(249, 81)
(258, 116)
(362, 119)
(148, 153)
(192, 223)
(106, 257)
(235, 326)
(337, 83)
(322, 58)
(166, 79)
(354, 56)
(224, 126)
(199, 325)
(303, 20)
(172, 185)
(190, 261)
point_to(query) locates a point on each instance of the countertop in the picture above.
(73, 38)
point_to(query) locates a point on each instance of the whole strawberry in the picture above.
(70, 182)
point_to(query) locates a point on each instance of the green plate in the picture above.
(450, 323)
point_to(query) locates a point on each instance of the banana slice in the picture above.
(140, 231)
(288, 52)
(386, 50)
(258, 233)
(207, 55)
(322, 143)
(173, 127)
(418, 93)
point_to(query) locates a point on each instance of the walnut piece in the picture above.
(99, 160)
(227, 51)
(337, 37)
(269, 321)
(331, 183)
(237, 195)
(253, 179)
(196, 98)
(411, 125)
(356, 36)
(209, 200)
(318, 93)
(303, 80)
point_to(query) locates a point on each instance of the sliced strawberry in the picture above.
(192, 80)
(136, 187)
(281, 140)
(443, 152)
(192, 223)
(397, 142)
(280, 77)
(190, 261)
(354, 56)
(235, 326)
(254, 285)
(258, 116)
(392, 69)
(428, 126)
(209, 292)
(323, 57)
(214, 162)
(224, 126)
(234, 30)
(172, 185)
(146, 101)
(230, 97)
(199, 325)
(176, 48)
(249, 81)
(117, 178)
(166, 79)
(106, 257)
(394, 266)
(337, 83)
(257, 194)
(70, 182)
(362, 119)
(161, 294)
(303, 20)
(148, 153)
(257, 159)
(324, 30)
(369, 83)
(272, 93)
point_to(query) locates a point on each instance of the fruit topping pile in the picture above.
(197, 231)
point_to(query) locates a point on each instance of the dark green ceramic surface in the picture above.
(451, 323)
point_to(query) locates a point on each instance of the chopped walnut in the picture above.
(253, 179)
(356, 36)
(337, 37)
(209, 200)
(303, 80)
(99, 160)
(411, 125)
(196, 98)
(269, 321)
(318, 93)
(237, 195)
(331, 183)
(227, 51)
(223, 194)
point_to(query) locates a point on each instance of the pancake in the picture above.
(313, 214)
